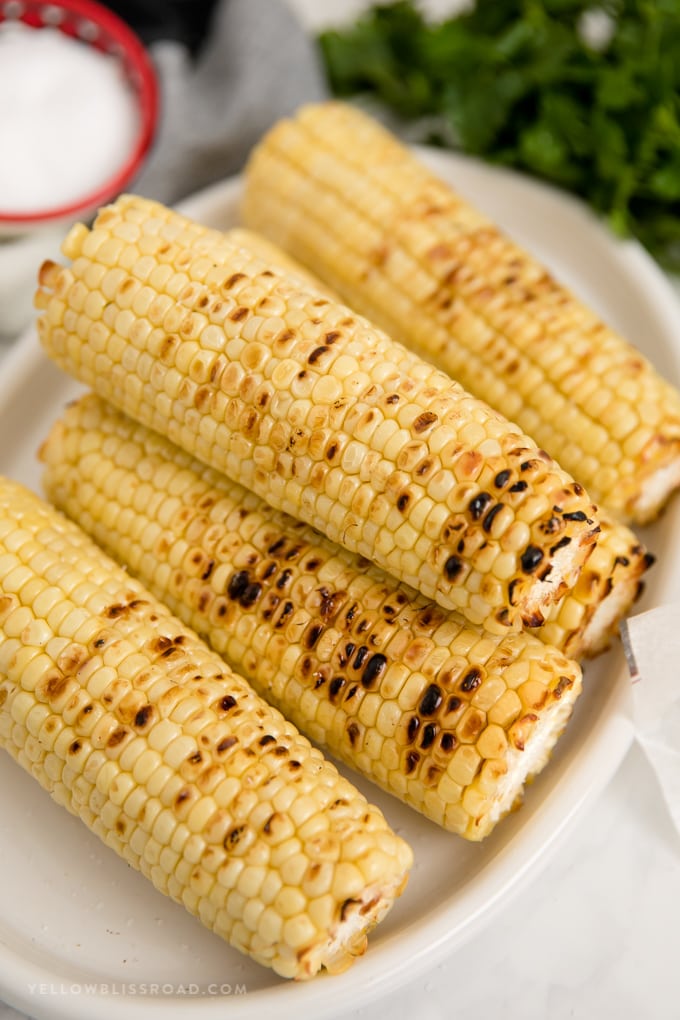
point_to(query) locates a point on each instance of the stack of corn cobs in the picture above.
(398, 570)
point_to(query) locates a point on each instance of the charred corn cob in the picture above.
(133, 724)
(339, 193)
(316, 411)
(583, 621)
(448, 718)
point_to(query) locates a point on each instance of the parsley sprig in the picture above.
(584, 95)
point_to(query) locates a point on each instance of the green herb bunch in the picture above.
(586, 96)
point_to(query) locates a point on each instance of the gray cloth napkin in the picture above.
(256, 65)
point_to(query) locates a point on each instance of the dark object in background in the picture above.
(184, 21)
(228, 69)
(584, 94)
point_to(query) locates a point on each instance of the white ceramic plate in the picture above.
(82, 935)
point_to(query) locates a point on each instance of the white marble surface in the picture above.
(596, 935)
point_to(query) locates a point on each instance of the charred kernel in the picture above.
(238, 314)
(351, 692)
(403, 502)
(392, 399)
(195, 758)
(551, 526)
(519, 486)
(575, 515)
(503, 616)
(331, 602)
(233, 837)
(117, 737)
(233, 280)
(351, 612)
(412, 728)
(431, 700)
(335, 686)
(429, 733)
(332, 336)
(74, 747)
(447, 742)
(142, 717)
(266, 739)
(622, 561)
(412, 759)
(250, 595)
(487, 523)
(316, 354)
(530, 559)
(277, 547)
(502, 479)
(375, 667)
(225, 744)
(319, 680)
(306, 666)
(227, 702)
(313, 634)
(313, 564)
(353, 733)
(453, 567)
(560, 545)
(478, 504)
(512, 589)
(471, 681)
(238, 583)
(424, 421)
(285, 613)
(453, 704)
(268, 571)
(360, 657)
(331, 450)
(284, 578)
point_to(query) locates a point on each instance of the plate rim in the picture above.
(430, 938)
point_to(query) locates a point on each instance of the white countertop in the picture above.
(594, 937)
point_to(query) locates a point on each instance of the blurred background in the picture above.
(583, 94)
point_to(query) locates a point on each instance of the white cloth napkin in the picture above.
(652, 644)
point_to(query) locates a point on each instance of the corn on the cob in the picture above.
(339, 193)
(315, 410)
(582, 622)
(448, 718)
(132, 723)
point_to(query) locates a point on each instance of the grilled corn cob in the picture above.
(315, 410)
(339, 193)
(444, 716)
(129, 721)
(582, 622)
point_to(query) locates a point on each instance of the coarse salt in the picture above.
(68, 119)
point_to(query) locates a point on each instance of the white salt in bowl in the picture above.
(78, 111)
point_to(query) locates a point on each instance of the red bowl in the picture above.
(100, 28)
